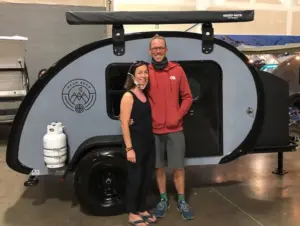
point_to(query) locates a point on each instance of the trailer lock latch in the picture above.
(250, 111)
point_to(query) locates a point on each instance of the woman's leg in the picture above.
(132, 191)
(147, 173)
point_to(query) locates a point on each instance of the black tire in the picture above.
(99, 183)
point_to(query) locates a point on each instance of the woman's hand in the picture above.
(131, 156)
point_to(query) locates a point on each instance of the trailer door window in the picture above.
(115, 79)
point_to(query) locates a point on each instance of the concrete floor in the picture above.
(242, 193)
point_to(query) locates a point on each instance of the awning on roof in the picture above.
(158, 17)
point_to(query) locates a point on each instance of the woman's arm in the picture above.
(125, 113)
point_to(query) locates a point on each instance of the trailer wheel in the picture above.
(99, 183)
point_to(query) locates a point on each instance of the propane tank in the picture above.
(55, 146)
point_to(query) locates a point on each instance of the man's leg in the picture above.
(163, 205)
(176, 154)
(161, 182)
(178, 177)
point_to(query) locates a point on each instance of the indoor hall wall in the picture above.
(155, 5)
(49, 36)
(61, 2)
(272, 17)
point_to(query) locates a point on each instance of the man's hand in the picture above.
(180, 117)
(130, 122)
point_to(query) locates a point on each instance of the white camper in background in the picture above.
(14, 81)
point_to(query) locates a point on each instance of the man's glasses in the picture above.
(157, 49)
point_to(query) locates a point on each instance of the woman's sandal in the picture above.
(147, 218)
(136, 222)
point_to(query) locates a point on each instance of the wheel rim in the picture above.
(107, 185)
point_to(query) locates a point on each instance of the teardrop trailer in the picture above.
(233, 112)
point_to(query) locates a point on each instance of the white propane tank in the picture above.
(55, 146)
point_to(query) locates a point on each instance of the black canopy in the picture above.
(158, 17)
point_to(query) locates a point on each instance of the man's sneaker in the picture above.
(161, 208)
(185, 210)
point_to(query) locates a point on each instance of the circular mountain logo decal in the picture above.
(79, 95)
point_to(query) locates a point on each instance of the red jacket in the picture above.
(166, 87)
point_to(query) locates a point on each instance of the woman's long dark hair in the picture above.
(129, 84)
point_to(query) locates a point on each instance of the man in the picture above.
(168, 84)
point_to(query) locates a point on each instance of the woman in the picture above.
(139, 142)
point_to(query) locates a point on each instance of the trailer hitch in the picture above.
(32, 181)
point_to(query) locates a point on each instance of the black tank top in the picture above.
(141, 129)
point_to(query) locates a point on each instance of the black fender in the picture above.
(113, 144)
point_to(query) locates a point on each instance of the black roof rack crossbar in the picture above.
(157, 17)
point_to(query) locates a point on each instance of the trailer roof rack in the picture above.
(119, 18)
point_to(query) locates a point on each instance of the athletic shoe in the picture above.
(185, 210)
(161, 208)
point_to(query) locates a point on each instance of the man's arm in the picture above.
(185, 95)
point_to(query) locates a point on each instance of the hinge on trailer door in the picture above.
(207, 38)
(118, 39)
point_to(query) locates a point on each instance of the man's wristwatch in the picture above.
(129, 149)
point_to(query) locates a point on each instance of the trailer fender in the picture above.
(112, 144)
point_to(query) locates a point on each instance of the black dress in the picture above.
(139, 176)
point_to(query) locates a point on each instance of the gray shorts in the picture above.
(172, 144)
